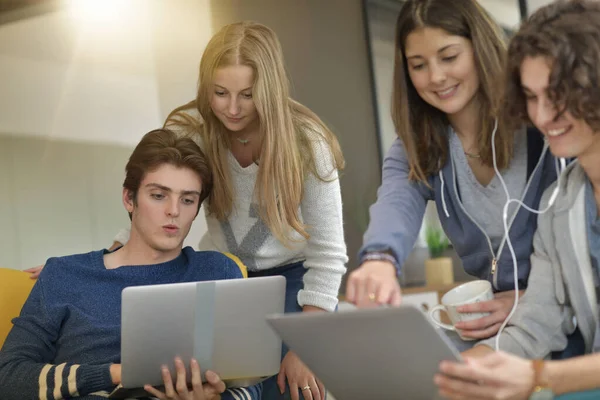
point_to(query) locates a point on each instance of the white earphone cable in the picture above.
(505, 223)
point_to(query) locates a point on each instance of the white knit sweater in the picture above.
(246, 235)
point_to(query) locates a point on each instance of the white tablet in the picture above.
(383, 353)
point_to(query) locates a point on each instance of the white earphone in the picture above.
(563, 165)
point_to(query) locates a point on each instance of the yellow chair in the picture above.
(239, 263)
(14, 289)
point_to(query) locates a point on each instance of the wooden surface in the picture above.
(440, 289)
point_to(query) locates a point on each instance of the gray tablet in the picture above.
(383, 353)
(220, 323)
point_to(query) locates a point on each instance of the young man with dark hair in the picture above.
(66, 342)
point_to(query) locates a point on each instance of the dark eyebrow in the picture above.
(190, 192)
(161, 187)
(526, 89)
(224, 88)
(439, 51)
(168, 189)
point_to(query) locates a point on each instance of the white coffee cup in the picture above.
(467, 293)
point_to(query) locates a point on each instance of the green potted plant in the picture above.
(438, 268)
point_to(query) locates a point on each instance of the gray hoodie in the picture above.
(561, 293)
(397, 215)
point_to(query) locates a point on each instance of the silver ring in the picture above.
(307, 387)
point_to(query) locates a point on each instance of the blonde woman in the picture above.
(276, 201)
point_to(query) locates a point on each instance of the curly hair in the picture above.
(567, 34)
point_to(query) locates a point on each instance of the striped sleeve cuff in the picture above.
(71, 380)
(251, 393)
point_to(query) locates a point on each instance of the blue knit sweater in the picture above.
(69, 330)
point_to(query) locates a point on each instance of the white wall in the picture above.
(533, 5)
(505, 12)
(60, 80)
(181, 29)
(58, 197)
(79, 89)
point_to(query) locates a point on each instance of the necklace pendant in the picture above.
(243, 141)
(472, 155)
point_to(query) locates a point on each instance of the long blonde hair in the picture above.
(422, 127)
(288, 129)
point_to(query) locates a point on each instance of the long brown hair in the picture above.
(289, 129)
(422, 127)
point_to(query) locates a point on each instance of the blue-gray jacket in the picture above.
(397, 215)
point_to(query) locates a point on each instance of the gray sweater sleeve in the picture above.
(397, 214)
(541, 322)
(325, 249)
